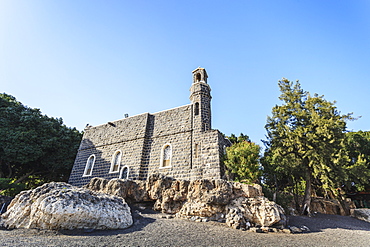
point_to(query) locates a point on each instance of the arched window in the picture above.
(196, 109)
(116, 161)
(166, 155)
(89, 165)
(124, 172)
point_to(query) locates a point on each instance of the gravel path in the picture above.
(150, 229)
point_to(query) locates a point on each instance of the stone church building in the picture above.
(177, 143)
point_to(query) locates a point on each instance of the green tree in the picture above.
(233, 139)
(34, 147)
(242, 161)
(305, 141)
(357, 146)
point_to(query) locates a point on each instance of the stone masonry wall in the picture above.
(141, 139)
(170, 127)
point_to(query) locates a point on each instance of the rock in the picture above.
(326, 206)
(301, 229)
(305, 229)
(133, 191)
(204, 198)
(63, 206)
(294, 229)
(361, 214)
(260, 211)
(284, 230)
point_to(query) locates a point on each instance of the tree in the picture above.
(305, 140)
(242, 160)
(357, 146)
(34, 146)
(233, 139)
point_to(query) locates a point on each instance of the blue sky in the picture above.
(93, 61)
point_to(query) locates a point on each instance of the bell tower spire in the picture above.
(200, 97)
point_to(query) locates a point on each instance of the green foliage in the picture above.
(357, 168)
(34, 146)
(284, 199)
(9, 188)
(233, 139)
(305, 139)
(242, 160)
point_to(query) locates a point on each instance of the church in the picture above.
(178, 143)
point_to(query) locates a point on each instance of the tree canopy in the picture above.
(34, 146)
(357, 169)
(242, 159)
(305, 142)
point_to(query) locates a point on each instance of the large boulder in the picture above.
(258, 210)
(60, 205)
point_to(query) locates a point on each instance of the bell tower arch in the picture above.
(200, 97)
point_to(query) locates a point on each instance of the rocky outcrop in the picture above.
(331, 206)
(238, 205)
(63, 206)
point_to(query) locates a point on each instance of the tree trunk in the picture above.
(295, 195)
(305, 210)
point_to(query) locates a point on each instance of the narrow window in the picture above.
(89, 165)
(196, 109)
(116, 160)
(199, 77)
(124, 173)
(166, 155)
(196, 150)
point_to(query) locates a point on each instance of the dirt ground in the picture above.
(151, 229)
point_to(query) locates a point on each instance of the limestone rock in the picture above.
(63, 206)
(362, 214)
(327, 206)
(238, 205)
(259, 210)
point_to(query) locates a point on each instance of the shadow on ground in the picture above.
(140, 221)
(320, 222)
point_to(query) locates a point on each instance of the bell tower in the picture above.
(200, 97)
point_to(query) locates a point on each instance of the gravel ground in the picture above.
(150, 229)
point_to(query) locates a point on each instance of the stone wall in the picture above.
(141, 139)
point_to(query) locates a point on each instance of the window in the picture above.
(166, 155)
(89, 165)
(196, 150)
(196, 109)
(124, 172)
(199, 77)
(116, 160)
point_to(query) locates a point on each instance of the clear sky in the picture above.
(93, 61)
